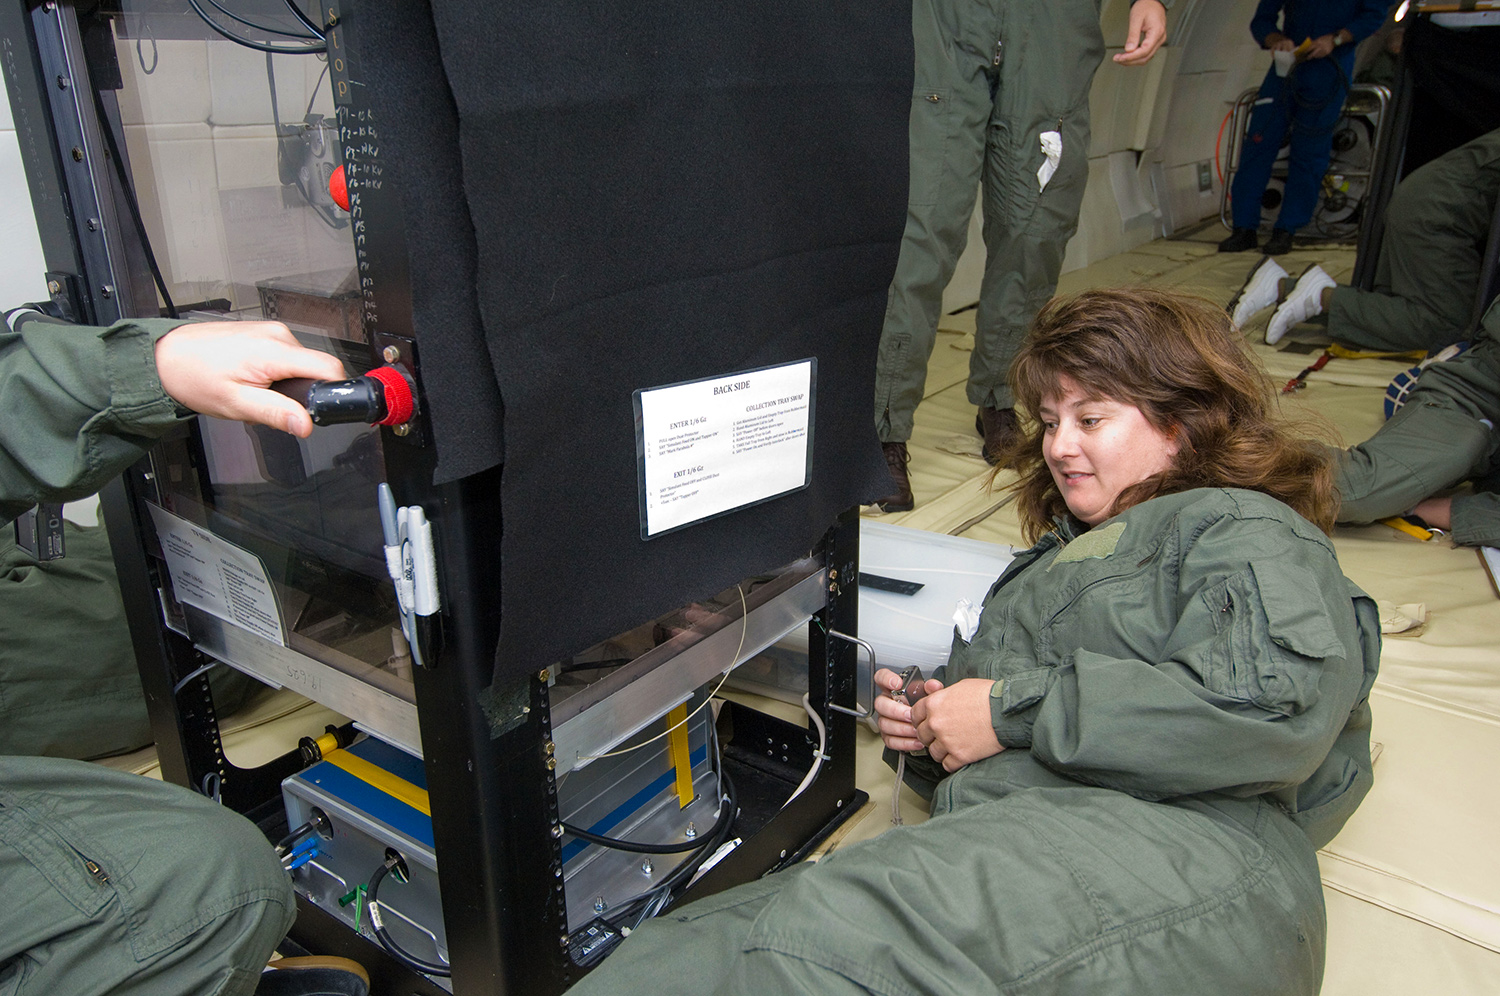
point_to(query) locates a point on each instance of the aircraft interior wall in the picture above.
(226, 131)
(21, 262)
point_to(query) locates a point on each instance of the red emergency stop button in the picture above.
(399, 404)
(338, 188)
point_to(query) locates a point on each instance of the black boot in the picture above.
(900, 499)
(1280, 242)
(1240, 240)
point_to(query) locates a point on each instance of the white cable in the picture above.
(896, 789)
(193, 674)
(818, 755)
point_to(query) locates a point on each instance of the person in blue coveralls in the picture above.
(1301, 106)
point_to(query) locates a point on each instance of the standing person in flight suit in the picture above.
(1306, 102)
(117, 884)
(1001, 102)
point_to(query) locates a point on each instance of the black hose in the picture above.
(726, 816)
(717, 837)
(258, 46)
(265, 29)
(689, 867)
(307, 22)
(295, 836)
(396, 951)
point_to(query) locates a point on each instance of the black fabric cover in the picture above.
(660, 193)
(1456, 88)
(418, 129)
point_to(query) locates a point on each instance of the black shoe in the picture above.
(900, 499)
(1240, 240)
(314, 976)
(1000, 429)
(1280, 242)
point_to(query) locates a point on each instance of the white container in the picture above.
(918, 629)
(903, 629)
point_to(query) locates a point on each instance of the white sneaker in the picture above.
(1261, 290)
(1305, 301)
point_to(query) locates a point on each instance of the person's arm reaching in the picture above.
(81, 404)
(223, 369)
(1366, 21)
(1369, 17)
(1265, 26)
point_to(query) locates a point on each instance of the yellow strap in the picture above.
(1345, 353)
(373, 774)
(682, 760)
(1401, 525)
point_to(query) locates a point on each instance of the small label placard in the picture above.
(218, 577)
(707, 447)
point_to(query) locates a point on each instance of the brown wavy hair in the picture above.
(1182, 363)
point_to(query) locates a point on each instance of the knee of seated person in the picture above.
(225, 855)
(253, 856)
(1354, 477)
(213, 897)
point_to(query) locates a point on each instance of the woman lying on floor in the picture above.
(1160, 716)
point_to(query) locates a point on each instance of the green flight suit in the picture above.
(80, 406)
(94, 707)
(1428, 272)
(992, 77)
(1443, 435)
(189, 898)
(1185, 720)
(114, 883)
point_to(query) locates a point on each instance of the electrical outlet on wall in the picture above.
(1205, 176)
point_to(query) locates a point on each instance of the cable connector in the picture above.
(305, 851)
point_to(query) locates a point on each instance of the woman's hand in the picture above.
(896, 727)
(1436, 512)
(954, 723)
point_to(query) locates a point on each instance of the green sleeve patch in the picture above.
(1096, 544)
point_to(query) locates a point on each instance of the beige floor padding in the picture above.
(1422, 842)
(1374, 952)
(271, 724)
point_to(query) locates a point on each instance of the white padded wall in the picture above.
(22, 268)
(206, 165)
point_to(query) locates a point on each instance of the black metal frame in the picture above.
(1390, 168)
(492, 793)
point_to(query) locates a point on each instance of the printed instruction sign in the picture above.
(218, 577)
(707, 447)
